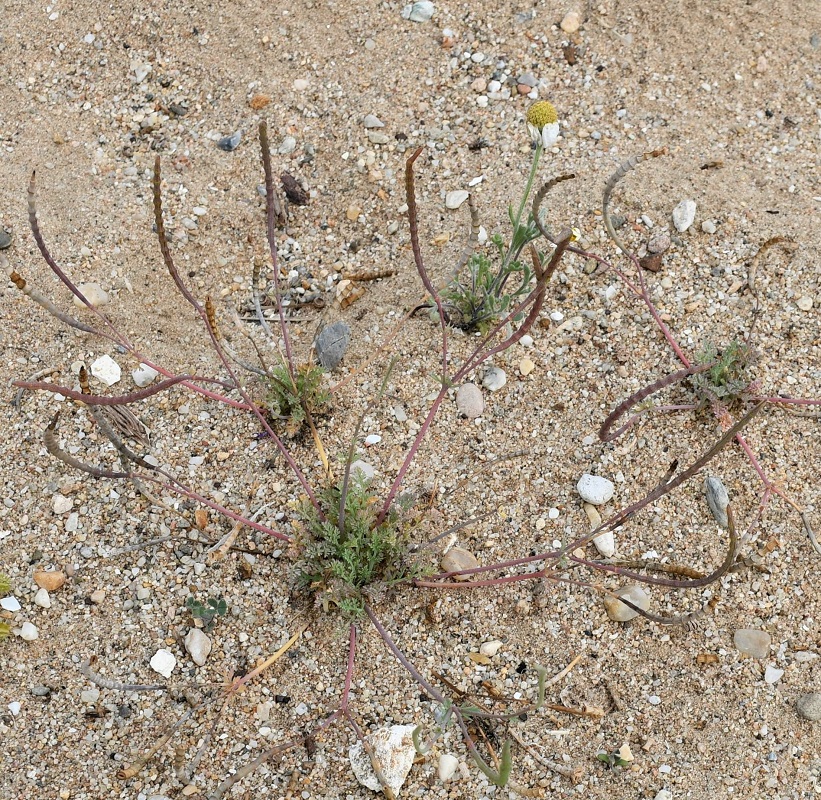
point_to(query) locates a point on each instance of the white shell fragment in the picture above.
(684, 215)
(107, 370)
(394, 751)
(163, 662)
(595, 489)
(455, 198)
(618, 611)
(144, 375)
(94, 293)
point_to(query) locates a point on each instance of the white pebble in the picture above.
(42, 599)
(10, 603)
(372, 121)
(708, 226)
(526, 340)
(447, 766)
(773, 675)
(663, 794)
(469, 400)
(373, 439)
(15, 707)
(605, 543)
(94, 293)
(60, 504)
(29, 632)
(301, 84)
(394, 751)
(163, 662)
(594, 489)
(571, 22)
(490, 649)
(421, 11)
(107, 370)
(198, 646)
(805, 303)
(494, 379)
(144, 375)
(455, 198)
(684, 214)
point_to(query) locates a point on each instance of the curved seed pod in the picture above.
(472, 240)
(623, 169)
(537, 202)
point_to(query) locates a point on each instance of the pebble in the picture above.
(753, 643)
(595, 489)
(804, 303)
(526, 340)
(527, 79)
(97, 596)
(658, 244)
(163, 662)
(495, 378)
(663, 794)
(301, 84)
(49, 580)
(143, 375)
(29, 632)
(198, 646)
(605, 543)
(490, 649)
(420, 11)
(94, 293)
(805, 656)
(809, 706)
(455, 198)
(5, 239)
(708, 226)
(372, 121)
(394, 751)
(618, 611)
(377, 137)
(10, 603)
(372, 439)
(61, 504)
(288, 146)
(331, 344)
(230, 143)
(400, 414)
(469, 400)
(717, 499)
(571, 22)
(773, 675)
(41, 691)
(89, 696)
(352, 213)
(14, 707)
(368, 472)
(526, 366)
(107, 370)
(42, 599)
(458, 559)
(684, 214)
(448, 765)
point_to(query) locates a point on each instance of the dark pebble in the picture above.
(332, 343)
(178, 110)
(229, 143)
(5, 239)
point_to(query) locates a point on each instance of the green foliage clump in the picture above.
(292, 399)
(728, 379)
(207, 611)
(344, 563)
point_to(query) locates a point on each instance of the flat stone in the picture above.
(469, 400)
(494, 379)
(490, 649)
(809, 706)
(230, 143)
(618, 611)
(605, 543)
(163, 662)
(394, 751)
(455, 198)
(658, 244)
(526, 366)
(753, 643)
(5, 239)
(198, 646)
(595, 489)
(717, 499)
(61, 504)
(288, 145)
(10, 603)
(107, 370)
(684, 215)
(97, 597)
(331, 344)
(458, 559)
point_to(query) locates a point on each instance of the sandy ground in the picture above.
(90, 95)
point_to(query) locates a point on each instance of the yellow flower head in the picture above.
(543, 123)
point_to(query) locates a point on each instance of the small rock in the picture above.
(352, 213)
(28, 632)
(61, 504)
(804, 656)
(163, 662)
(94, 293)
(42, 599)
(365, 468)
(809, 706)
(10, 603)
(526, 341)
(490, 649)
(377, 137)
(469, 400)
(458, 559)
(400, 414)
(394, 752)
(372, 121)
(41, 691)
(15, 707)
(455, 198)
(198, 646)
(494, 379)
(331, 344)
(618, 611)
(660, 243)
(420, 11)
(717, 499)
(526, 366)
(593, 515)
(140, 70)
(5, 239)
(97, 597)
(663, 794)
(684, 214)
(107, 370)
(595, 489)
(89, 696)
(805, 303)
(447, 766)
(288, 145)
(527, 79)
(51, 581)
(372, 439)
(753, 643)
(773, 675)
(571, 22)
(301, 84)
(708, 226)
(230, 143)
(605, 543)
(144, 375)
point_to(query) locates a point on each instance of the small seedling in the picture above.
(207, 611)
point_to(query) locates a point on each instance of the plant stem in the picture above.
(528, 186)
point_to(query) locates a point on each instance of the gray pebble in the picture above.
(331, 344)
(288, 146)
(86, 552)
(527, 79)
(41, 691)
(753, 643)
(717, 499)
(229, 143)
(420, 11)
(809, 706)
(708, 226)
(5, 239)
(469, 400)
(372, 121)
(400, 414)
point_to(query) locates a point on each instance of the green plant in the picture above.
(295, 396)
(5, 587)
(728, 378)
(208, 611)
